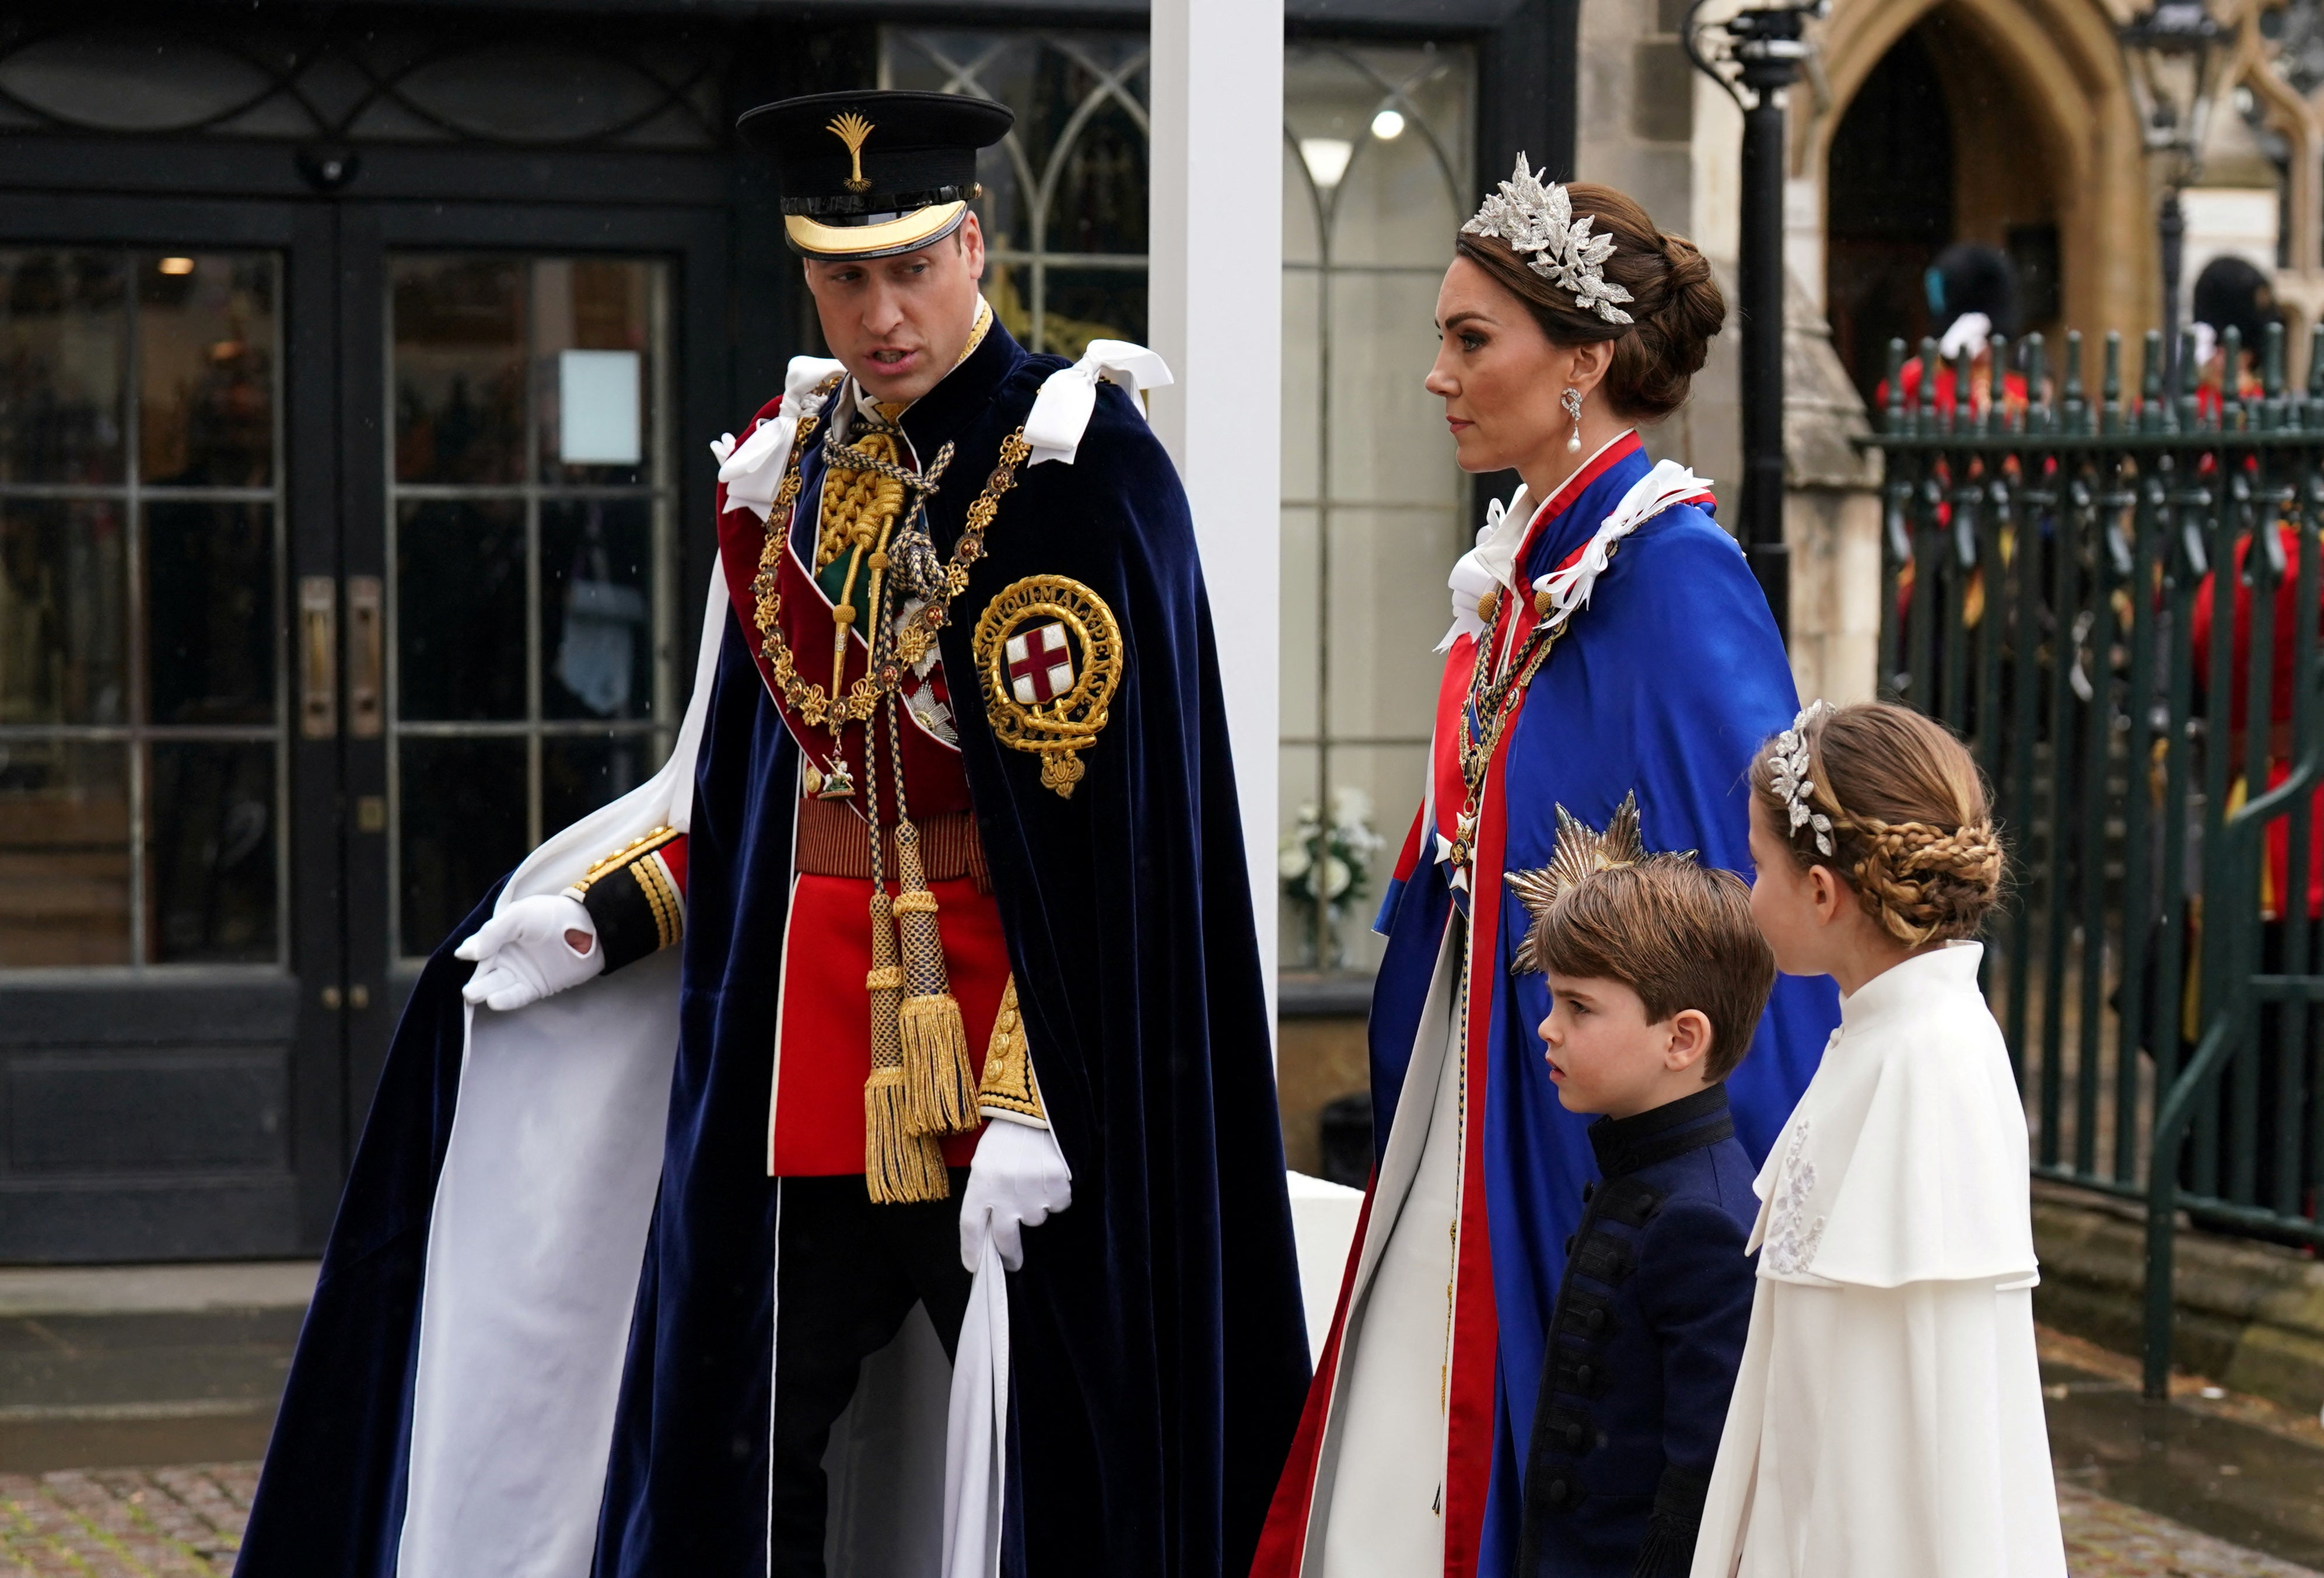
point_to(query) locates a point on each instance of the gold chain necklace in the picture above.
(1494, 702)
(816, 706)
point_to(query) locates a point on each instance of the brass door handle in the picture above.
(319, 657)
(365, 662)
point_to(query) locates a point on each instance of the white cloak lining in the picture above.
(538, 1228)
(1399, 1167)
(535, 1245)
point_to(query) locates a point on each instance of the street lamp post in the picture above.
(1761, 52)
(2168, 55)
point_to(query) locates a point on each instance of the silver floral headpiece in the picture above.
(1535, 218)
(1792, 785)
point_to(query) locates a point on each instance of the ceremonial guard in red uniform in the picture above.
(911, 1015)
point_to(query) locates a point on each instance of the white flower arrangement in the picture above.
(1326, 861)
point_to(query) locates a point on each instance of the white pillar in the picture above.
(1215, 312)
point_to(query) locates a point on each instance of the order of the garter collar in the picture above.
(1789, 760)
(1538, 217)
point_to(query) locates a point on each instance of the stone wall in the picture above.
(1652, 126)
(2250, 1315)
(1831, 515)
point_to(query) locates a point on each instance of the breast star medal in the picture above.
(1048, 657)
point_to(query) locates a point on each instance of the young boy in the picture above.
(1657, 977)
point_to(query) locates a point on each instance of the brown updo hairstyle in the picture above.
(1911, 830)
(1675, 304)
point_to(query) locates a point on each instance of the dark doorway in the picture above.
(1890, 191)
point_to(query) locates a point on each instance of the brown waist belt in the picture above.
(835, 842)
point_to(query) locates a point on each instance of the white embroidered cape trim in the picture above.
(1791, 1238)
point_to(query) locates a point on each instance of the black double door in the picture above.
(347, 547)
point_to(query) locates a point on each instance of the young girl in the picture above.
(1888, 1415)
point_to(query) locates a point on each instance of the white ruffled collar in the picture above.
(1490, 567)
(1506, 526)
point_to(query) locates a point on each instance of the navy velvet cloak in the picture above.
(1160, 1349)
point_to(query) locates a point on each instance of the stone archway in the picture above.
(2044, 141)
(1889, 189)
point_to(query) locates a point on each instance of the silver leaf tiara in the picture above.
(1789, 760)
(1538, 218)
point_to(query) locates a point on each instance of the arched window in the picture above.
(1377, 179)
(1064, 210)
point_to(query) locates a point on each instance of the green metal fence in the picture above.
(2050, 561)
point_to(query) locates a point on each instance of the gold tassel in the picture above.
(900, 1164)
(939, 1079)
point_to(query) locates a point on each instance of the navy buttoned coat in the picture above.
(1643, 1347)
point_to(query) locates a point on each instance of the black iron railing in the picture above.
(2050, 564)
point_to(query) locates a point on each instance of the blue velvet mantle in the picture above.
(1670, 678)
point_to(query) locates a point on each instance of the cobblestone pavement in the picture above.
(2111, 1539)
(124, 1523)
(185, 1522)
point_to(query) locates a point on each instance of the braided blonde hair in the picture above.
(1911, 832)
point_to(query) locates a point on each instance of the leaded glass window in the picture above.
(366, 79)
(1377, 179)
(1064, 210)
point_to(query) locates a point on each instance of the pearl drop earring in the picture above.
(1572, 400)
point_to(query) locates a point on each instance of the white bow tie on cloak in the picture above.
(1480, 570)
(1650, 496)
(753, 469)
(1060, 411)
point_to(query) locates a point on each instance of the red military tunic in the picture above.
(2275, 876)
(823, 1043)
(823, 1039)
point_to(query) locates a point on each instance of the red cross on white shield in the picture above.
(1040, 664)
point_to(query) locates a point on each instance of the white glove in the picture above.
(1017, 1179)
(522, 955)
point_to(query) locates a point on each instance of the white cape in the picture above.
(1887, 1416)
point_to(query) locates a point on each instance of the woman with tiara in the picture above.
(1611, 667)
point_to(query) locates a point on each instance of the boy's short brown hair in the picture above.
(1679, 935)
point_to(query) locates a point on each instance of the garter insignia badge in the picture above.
(1048, 654)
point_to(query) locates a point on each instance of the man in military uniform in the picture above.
(935, 930)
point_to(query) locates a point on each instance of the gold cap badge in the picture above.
(852, 129)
